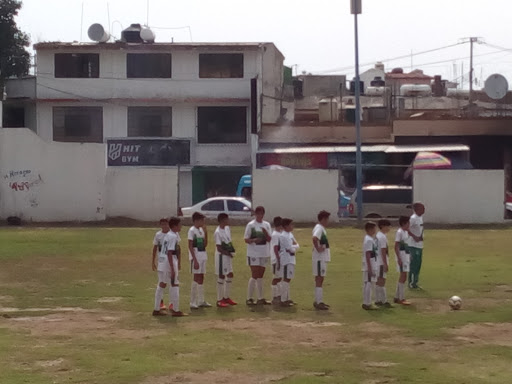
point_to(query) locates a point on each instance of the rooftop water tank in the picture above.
(328, 110)
(415, 90)
(375, 91)
(378, 82)
(97, 33)
(457, 93)
(147, 35)
(132, 34)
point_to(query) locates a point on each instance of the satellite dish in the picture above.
(496, 86)
(97, 33)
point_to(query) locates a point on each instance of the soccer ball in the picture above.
(455, 302)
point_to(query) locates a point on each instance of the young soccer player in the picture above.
(157, 247)
(287, 248)
(321, 256)
(197, 243)
(416, 244)
(275, 260)
(383, 264)
(370, 249)
(224, 254)
(169, 264)
(402, 259)
(257, 237)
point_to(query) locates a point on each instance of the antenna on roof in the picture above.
(147, 13)
(82, 23)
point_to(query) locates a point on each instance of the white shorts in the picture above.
(288, 271)
(223, 265)
(406, 264)
(278, 273)
(165, 277)
(381, 273)
(319, 268)
(202, 267)
(258, 261)
(368, 279)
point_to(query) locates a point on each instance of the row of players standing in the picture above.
(263, 246)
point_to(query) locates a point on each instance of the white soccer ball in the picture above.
(455, 302)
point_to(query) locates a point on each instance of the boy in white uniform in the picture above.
(402, 259)
(277, 270)
(224, 254)
(416, 244)
(370, 249)
(157, 247)
(197, 243)
(383, 264)
(321, 256)
(169, 264)
(257, 237)
(287, 248)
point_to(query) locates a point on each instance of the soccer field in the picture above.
(75, 307)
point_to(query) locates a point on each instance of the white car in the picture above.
(235, 207)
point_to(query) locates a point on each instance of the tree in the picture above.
(14, 57)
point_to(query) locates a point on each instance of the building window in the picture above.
(14, 117)
(222, 125)
(78, 124)
(221, 65)
(149, 66)
(77, 65)
(149, 121)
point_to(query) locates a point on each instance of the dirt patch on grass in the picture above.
(77, 324)
(109, 299)
(485, 333)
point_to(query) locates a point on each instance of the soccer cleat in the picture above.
(170, 307)
(162, 305)
(387, 305)
(286, 304)
(396, 301)
(230, 302)
(276, 301)
(367, 307)
(193, 306)
(159, 313)
(178, 314)
(323, 307)
(405, 302)
(379, 304)
(250, 302)
(222, 304)
(263, 302)
(205, 304)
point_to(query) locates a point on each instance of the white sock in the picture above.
(193, 294)
(174, 293)
(200, 293)
(375, 291)
(285, 291)
(319, 295)
(397, 293)
(227, 287)
(367, 293)
(250, 288)
(220, 289)
(159, 295)
(401, 291)
(383, 295)
(280, 289)
(259, 286)
(275, 291)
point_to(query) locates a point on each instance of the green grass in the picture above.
(119, 342)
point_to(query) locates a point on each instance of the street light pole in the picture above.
(356, 9)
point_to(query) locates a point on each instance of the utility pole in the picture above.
(471, 41)
(356, 9)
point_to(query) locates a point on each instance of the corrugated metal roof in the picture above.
(370, 148)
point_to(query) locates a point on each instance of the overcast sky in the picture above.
(317, 35)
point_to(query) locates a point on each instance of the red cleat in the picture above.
(230, 302)
(222, 304)
(162, 305)
(170, 307)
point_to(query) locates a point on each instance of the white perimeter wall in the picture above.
(297, 194)
(144, 194)
(43, 181)
(461, 196)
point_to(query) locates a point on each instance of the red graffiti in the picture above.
(20, 186)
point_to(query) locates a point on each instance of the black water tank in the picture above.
(132, 34)
(377, 82)
(353, 87)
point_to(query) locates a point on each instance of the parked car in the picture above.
(383, 201)
(235, 207)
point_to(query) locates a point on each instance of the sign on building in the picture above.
(147, 152)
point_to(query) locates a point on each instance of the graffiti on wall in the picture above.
(24, 181)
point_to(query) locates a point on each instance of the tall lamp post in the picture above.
(356, 9)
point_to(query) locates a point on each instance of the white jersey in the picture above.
(403, 238)
(169, 244)
(382, 241)
(223, 238)
(416, 228)
(287, 248)
(370, 245)
(254, 230)
(273, 243)
(158, 240)
(197, 236)
(321, 234)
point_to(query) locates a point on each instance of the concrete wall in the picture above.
(141, 193)
(297, 194)
(43, 181)
(451, 127)
(461, 196)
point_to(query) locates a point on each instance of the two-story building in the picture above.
(196, 106)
